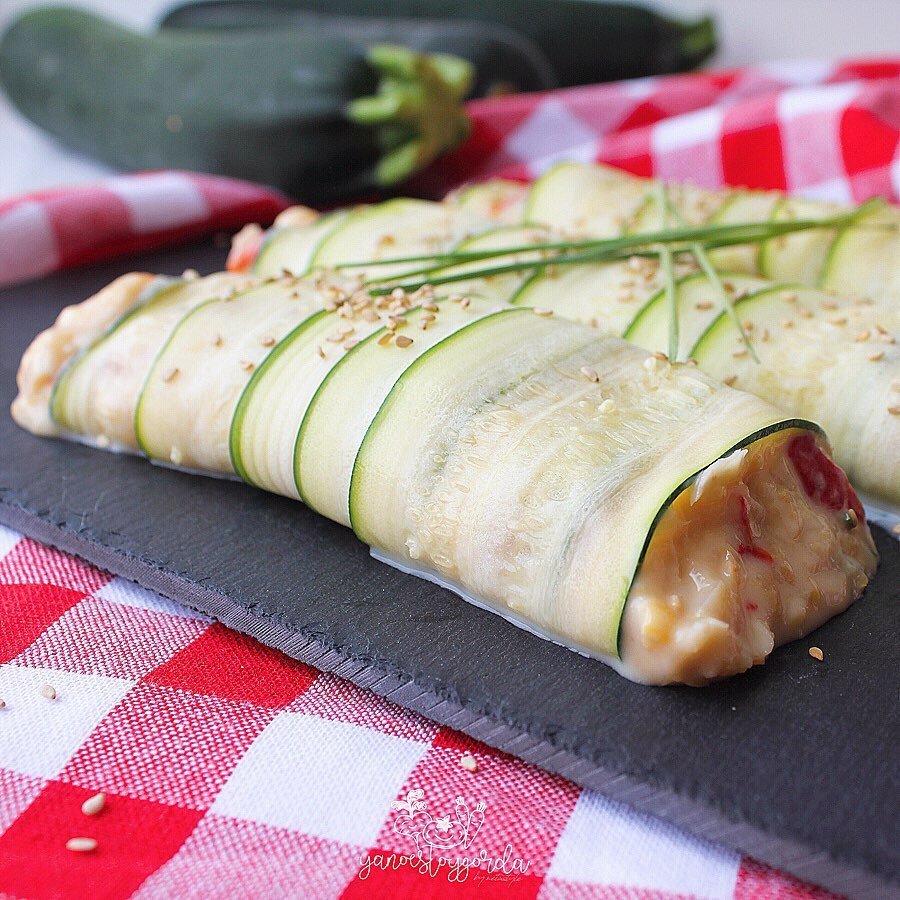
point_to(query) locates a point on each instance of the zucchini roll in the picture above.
(627, 507)
(832, 358)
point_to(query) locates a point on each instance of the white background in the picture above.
(749, 31)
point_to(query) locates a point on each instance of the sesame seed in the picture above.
(385, 339)
(880, 329)
(875, 357)
(465, 303)
(431, 307)
(729, 380)
(171, 375)
(805, 313)
(894, 410)
(739, 353)
(863, 336)
(47, 691)
(94, 804)
(816, 653)
(593, 322)
(829, 304)
(403, 340)
(590, 374)
(246, 365)
(658, 354)
(81, 844)
(887, 339)
(625, 296)
(765, 334)
(267, 341)
(398, 294)
(787, 323)
(2, 703)
(321, 351)
(789, 296)
(217, 341)
(349, 345)
(455, 298)
(469, 763)
(369, 315)
(540, 311)
(837, 320)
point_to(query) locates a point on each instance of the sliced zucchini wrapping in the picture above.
(503, 285)
(865, 260)
(697, 303)
(499, 200)
(396, 228)
(537, 468)
(188, 399)
(822, 356)
(97, 392)
(272, 406)
(351, 394)
(737, 208)
(604, 295)
(291, 249)
(586, 199)
(523, 461)
(798, 257)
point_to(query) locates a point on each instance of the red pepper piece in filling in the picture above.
(822, 480)
(747, 544)
(242, 256)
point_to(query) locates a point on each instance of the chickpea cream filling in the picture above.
(757, 552)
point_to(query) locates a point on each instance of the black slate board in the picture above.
(794, 763)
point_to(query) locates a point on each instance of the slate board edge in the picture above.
(513, 738)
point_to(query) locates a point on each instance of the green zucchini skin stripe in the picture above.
(153, 292)
(141, 442)
(240, 411)
(399, 385)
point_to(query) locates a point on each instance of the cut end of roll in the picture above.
(763, 547)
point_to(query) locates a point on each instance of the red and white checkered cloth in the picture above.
(232, 771)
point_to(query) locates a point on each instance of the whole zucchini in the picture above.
(319, 115)
(584, 40)
(504, 59)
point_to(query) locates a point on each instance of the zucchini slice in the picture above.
(798, 257)
(395, 228)
(864, 261)
(579, 198)
(697, 303)
(740, 207)
(605, 295)
(186, 405)
(292, 248)
(695, 204)
(499, 200)
(273, 405)
(494, 464)
(351, 394)
(97, 392)
(502, 286)
(819, 356)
